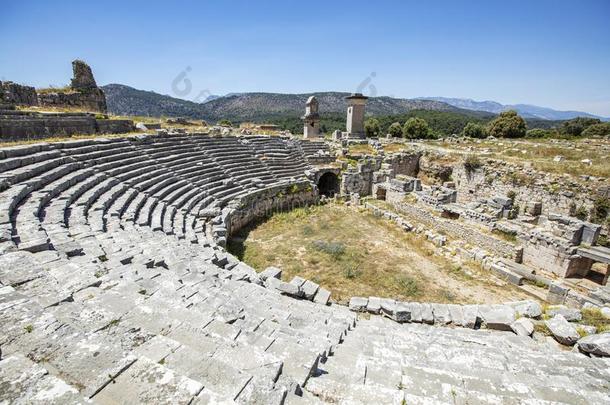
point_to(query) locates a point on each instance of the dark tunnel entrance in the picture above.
(328, 184)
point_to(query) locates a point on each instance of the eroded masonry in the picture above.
(115, 286)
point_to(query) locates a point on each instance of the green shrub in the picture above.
(408, 285)
(471, 163)
(334, 249)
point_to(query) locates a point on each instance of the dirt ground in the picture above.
(353, 253)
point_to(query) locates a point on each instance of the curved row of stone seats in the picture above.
(161, 308)
(118, 312)
(281, 156)
(311, 149)
(237, 158)
(383, 362)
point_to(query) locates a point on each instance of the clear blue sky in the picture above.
(549, 53)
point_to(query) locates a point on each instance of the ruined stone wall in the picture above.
(86, 99)
(13, 93)
(458, 230)
(555, 192)
(404, 163)
(20, 125)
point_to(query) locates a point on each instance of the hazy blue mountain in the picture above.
(525, 110)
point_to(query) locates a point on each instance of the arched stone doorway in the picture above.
(328, 184)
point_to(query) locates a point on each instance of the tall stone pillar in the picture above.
(355, 115)
(312, 119)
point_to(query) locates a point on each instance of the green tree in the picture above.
(473, 130)
(395, 130)
(537, 133)
(225, 123)
(372, 128)
(416, 128)
(602, 129)
(508, 124)
(576, 126)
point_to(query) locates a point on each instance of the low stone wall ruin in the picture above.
(556, 193)
(89, 100)
(455, 229)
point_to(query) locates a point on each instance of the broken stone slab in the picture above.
(564, 332)
(374, 305)
(322, 296)
(527, 308)
(358, 304)
(270, 272)
(570, 314)
(598, 345)
(523, 327)
(498, 317)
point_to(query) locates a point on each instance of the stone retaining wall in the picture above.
(261, 204)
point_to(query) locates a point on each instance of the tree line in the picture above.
(429, 124)
(508, 124)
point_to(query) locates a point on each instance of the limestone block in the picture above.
(527, 308)
(441, 314)
(402, 312)
(374, 305)
(270, 272)
(309, 289)
(570, 314)
(358, 304)
(497, 316)
(523, 327)
(562, 330)
(322, 296)
(598, 345)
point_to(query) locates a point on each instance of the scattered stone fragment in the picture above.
(523, 327)
(570, 314)
(564, 332)
(598, 345)
(528, 308)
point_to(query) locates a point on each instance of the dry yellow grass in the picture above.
(353, 253)
(540, 153)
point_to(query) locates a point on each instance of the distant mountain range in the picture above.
(525, 110)
(239, 107)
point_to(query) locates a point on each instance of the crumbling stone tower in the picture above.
(83, 77)
(311, 118)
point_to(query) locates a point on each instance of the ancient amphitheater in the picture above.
(115, 288)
